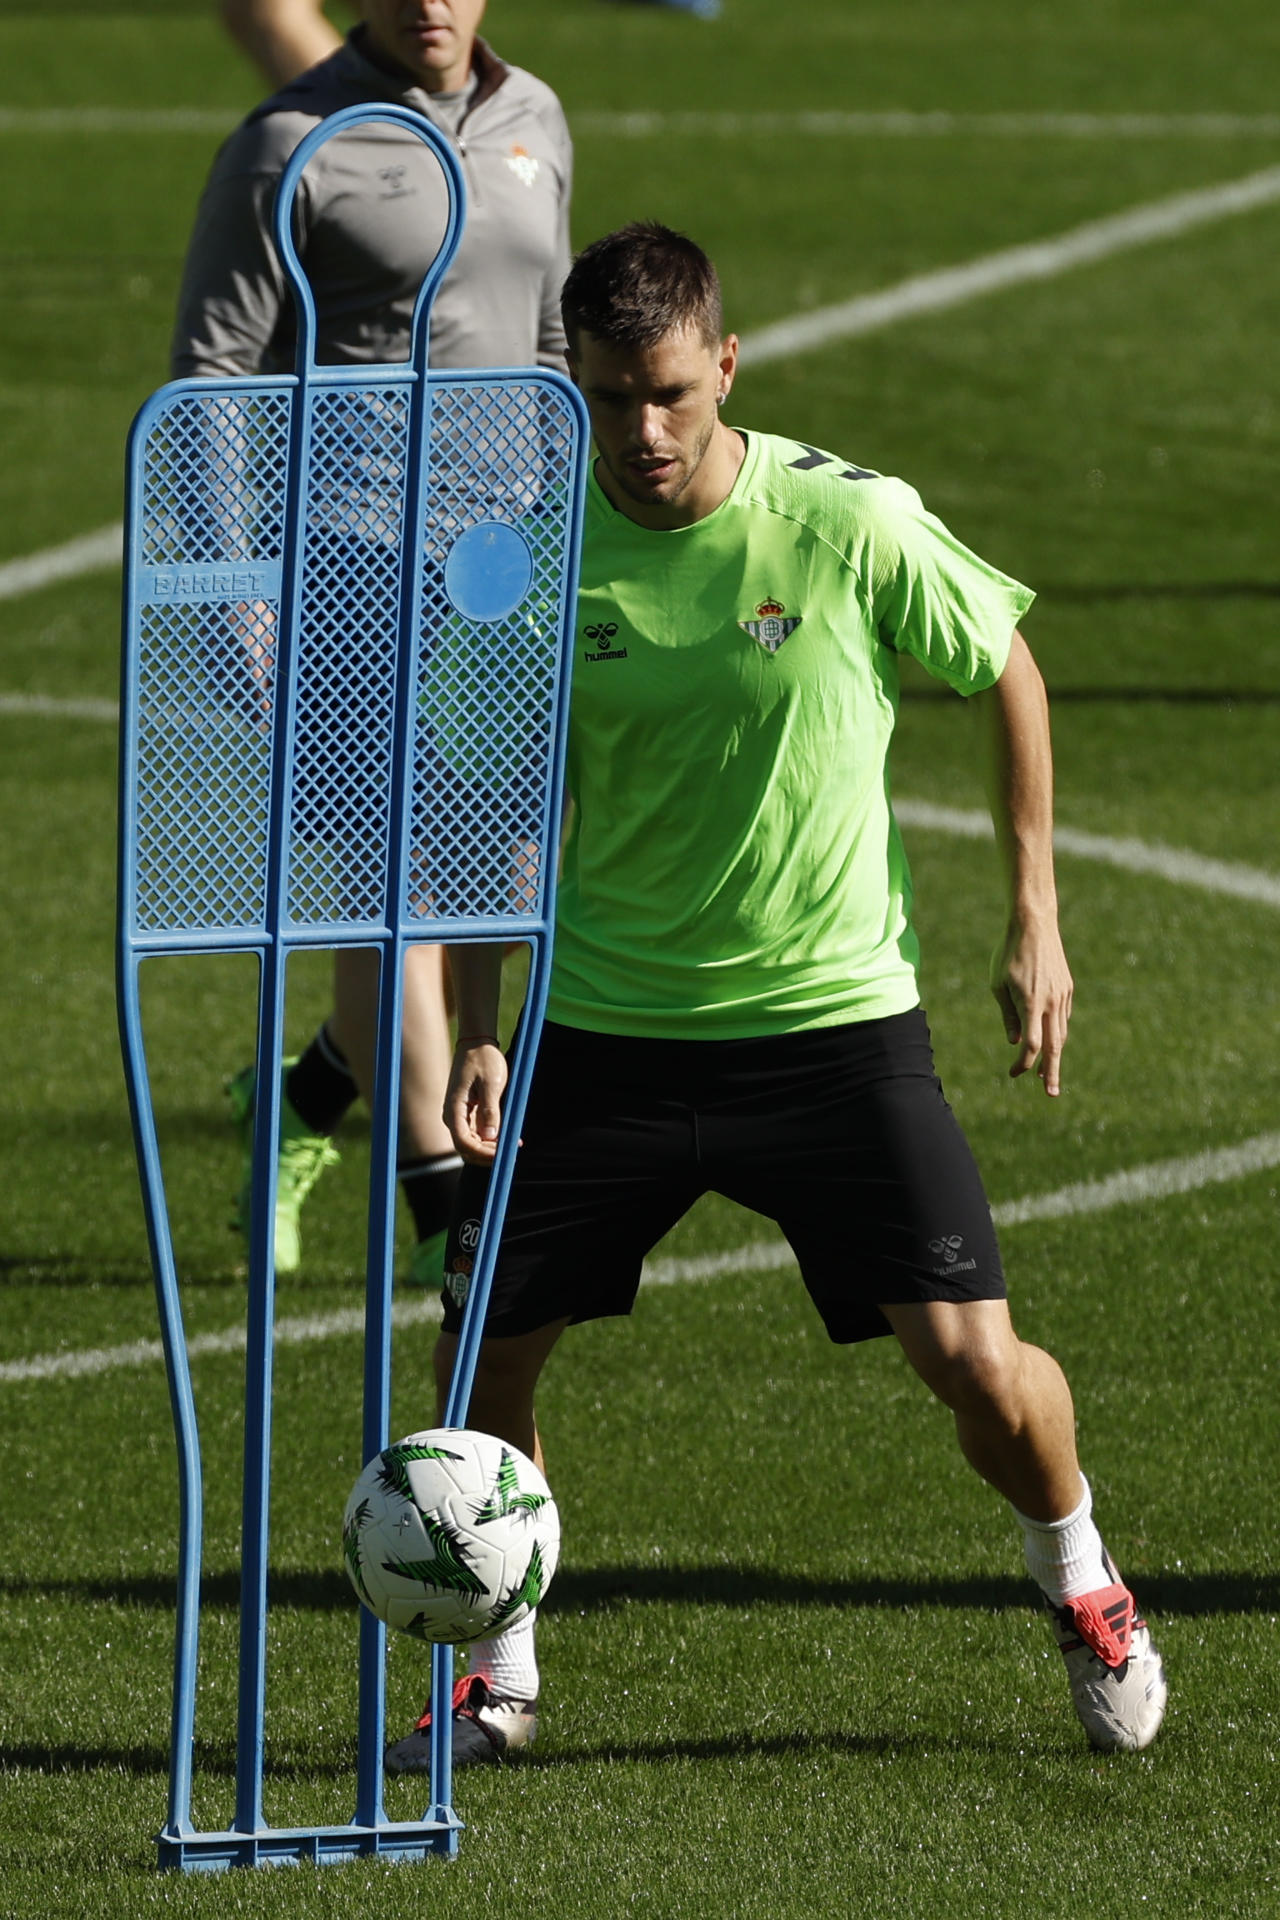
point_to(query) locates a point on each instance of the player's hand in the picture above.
(473, 1101)
(1032, 984)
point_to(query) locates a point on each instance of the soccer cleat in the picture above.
(1116, 1675)
(302, 1158)
(426, 1263)
(486, 1729)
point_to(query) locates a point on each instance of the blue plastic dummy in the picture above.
(349, 597)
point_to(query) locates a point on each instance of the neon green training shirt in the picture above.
(732, 866)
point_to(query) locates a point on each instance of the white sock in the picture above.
(1064, 1557)
(508, 1663)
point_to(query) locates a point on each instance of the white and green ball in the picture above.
(451, 1535)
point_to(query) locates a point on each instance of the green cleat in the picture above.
(303, 1157)
(426, 1263)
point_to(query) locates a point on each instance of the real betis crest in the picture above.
(770, 628)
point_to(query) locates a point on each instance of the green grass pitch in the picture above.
(791, 1665)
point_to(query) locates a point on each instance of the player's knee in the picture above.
(442, 1360)
(979, 1377)
(506, 1370)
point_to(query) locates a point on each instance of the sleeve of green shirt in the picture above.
(935, 600)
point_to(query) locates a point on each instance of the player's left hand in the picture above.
(1032, 984)
(473, 1101)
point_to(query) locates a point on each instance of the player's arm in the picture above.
(1029, 974)
(552, 345)
(233, 288)
(285, 37)
(229, 306)
(472, 1101)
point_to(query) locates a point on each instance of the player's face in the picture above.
(431, 38)
(664, 457)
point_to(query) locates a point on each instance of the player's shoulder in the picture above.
(532, 92)
(522, 95)
(266, 138)
(264, 142)
(837, 498)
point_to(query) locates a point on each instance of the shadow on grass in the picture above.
(214, 1760)
(604, 1589)
(67, 1270)
(778, 1746)
(218, 1761)
(194, 1271)
(82, 1270)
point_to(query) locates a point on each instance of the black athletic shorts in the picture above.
(840, 1135)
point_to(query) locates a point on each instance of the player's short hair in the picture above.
(634, 287)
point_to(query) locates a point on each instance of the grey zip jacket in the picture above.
(368, 217)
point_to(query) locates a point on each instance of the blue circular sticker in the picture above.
(488, 571)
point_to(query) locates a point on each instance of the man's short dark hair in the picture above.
(634, 287)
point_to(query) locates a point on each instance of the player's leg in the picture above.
(427, 1164)
(870, 1177)
(596, 1185)
(308, 1117)
(336, 1068)
(1013, 1412)
(507, 1373)
(495, 1704)
(1016, 1427)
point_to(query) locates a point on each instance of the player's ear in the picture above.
(727, 360)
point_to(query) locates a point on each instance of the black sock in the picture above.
(319, 1086)
(429, 1185)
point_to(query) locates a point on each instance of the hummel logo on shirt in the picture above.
(603, 634)
(949, 1248)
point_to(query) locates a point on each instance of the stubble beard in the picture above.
(673, 490)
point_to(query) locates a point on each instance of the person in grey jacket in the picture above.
(370, 212)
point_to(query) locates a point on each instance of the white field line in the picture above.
(46, 706)
(1157, 1181)
(28, 120)
(848, 319)
(644, 125)
(903, 125)
(142, 1353)
(1135, 856)
(90, 553)
(1012, 266)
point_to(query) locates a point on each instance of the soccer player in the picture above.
(372, 210)
(734, 1003)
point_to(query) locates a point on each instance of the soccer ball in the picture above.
(451, 1535)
